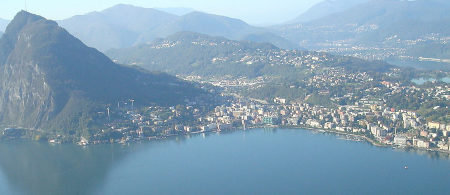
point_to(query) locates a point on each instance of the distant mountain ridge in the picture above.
(179, 11)
(115, 27)
(3, 24)
(191, 53)
(125, 25)
(380, 29)
(408, 19)
(376, 21)
(50, 81)
(326, 8)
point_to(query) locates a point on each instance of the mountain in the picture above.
(192, 53)
(210, 24)
(266, 37)
(179, 11)
(1, 33)
(3, 24)
(378, 29)
(407, 19)
(376, 21)
(125, 26)
(52, 83)
(116, 27)
(326, 8)
(430, 49)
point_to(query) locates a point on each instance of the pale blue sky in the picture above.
(251, 11)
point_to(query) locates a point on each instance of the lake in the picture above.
(260, 161)
(421, 81)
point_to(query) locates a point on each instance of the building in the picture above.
(423, 144)
(433, 125)
(400, 140)
(313, 123)
(187, 128)
(442, 126)
(293, 121)
(442, 145)
(328, 125)
(278, 100)
(210, 127)
(424, 133)
(269, 120)
(237, 114)
(377, 131)
(223, 127)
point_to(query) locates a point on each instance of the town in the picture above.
(384, 107)
(377, 120)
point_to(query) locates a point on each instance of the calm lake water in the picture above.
(261, 161)
(421, 81)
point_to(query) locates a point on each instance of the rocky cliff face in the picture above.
(51, 81)
(25, 95)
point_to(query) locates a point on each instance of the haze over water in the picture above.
(243, 162)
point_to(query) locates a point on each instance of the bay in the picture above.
(260, 161)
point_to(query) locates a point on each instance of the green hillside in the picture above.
(51, 82)
(193, 53)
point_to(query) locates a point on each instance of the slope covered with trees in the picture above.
(51, 82)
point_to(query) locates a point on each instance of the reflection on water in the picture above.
(429, 154)
(4, 185)
(42, 168)
(245, 160)
(39, 168)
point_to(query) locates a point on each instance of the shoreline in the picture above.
(369, 140)
(364, 138)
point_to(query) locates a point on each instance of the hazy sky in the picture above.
(251, 11)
